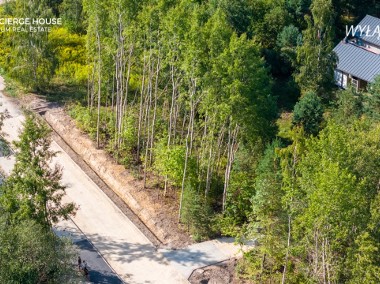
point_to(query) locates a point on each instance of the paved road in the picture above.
(124, 247)
(118, 240)
(203, 254)
(100, 271)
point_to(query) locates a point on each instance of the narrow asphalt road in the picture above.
(99, 270)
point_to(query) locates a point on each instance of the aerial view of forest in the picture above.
(227, 110)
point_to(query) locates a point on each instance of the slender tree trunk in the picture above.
(173, 102)
(231, 150)
(89, 83)
(287, 251)
(184, 169)
(117, 101)
(323, 261)
(147, 114)
(211, 155)
(183, 128)
(219, 147)
(121, 76)
(99, 89)
(202, 152)
(175, 119)
(188, 145)
(154, 108)
(93, 88)
(172, 110)
(316, 252)
(209, 171)
(124, 107)
(192, 115)
(141, 110)
(172, 115)
(327, 261)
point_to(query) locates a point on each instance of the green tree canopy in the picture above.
(308, 113)
(30, 253)
(316, 61)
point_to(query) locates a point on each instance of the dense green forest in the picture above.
(232, 105)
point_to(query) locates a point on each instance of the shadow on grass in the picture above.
(65, 93)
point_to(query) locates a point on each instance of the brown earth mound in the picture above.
(222, 273)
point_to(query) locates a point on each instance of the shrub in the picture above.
(308, 113)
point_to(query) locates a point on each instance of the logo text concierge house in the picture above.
(28, 24)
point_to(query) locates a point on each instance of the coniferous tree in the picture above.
(34, 190)
(308, 113)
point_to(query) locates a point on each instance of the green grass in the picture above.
(65, 94)
(56, 92)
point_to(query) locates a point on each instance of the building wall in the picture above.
(345, 80)
(341, 79)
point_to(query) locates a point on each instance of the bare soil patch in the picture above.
(221, 273)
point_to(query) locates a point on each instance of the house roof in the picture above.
(357, 61)
(373, 24)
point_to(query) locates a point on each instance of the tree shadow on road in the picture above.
(183, 261)
(125, 251)
(101, 278)
(99, 270)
